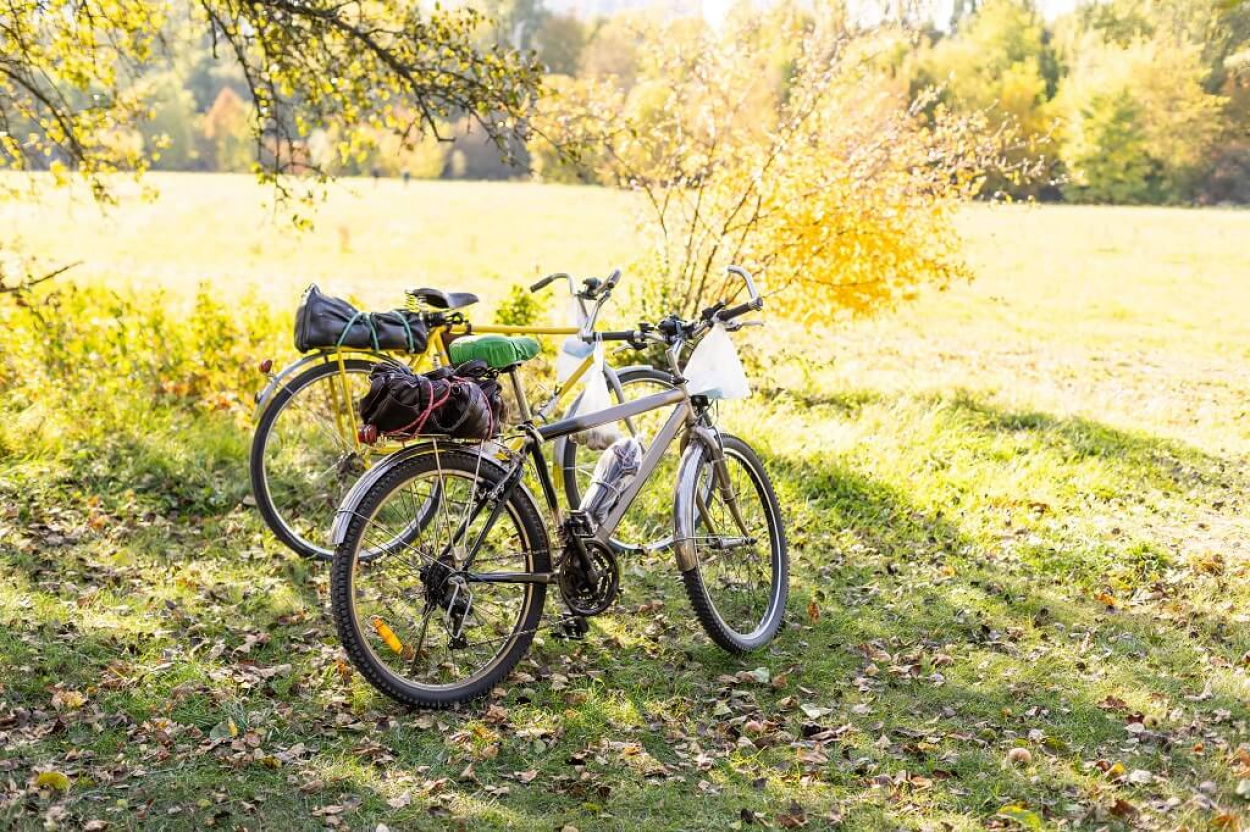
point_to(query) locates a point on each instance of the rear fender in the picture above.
(265, 397)
(350, 506)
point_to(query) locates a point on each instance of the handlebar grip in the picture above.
(622, 335)
(741, 309)
(544, 282)
(613, 279)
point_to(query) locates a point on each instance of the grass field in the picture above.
(1017, 513)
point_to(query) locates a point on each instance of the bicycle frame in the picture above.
(684, 416)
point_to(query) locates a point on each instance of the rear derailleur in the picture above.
(448, 591)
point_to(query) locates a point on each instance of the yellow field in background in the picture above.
(372, 239)
(1136, 316)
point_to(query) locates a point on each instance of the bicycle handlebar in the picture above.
(546, 281)
(673, 328)
(741, 309)
(747, 279)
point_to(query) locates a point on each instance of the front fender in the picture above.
(278, 381)
(701, 440)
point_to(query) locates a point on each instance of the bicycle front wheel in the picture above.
(728, 517)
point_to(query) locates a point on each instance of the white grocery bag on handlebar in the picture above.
(574, 350)
(714, 369)
(594, 398)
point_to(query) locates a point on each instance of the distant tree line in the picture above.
(1120, 101)
(1130, 101)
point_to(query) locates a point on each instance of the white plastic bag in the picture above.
(596, 397)
(572, 353)
(714, 369)
(574, 350)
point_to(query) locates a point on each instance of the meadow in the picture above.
(1016, 508)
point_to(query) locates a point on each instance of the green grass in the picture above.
(1017, 516)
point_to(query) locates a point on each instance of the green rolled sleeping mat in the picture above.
(499, 351)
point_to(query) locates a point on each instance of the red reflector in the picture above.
(368, 434)
(266, 365)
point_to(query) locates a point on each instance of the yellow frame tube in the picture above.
(499, 329)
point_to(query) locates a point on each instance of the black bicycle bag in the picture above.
(323, 321)
(463, 403)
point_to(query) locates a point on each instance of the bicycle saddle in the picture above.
(443, 300)
(498, 351)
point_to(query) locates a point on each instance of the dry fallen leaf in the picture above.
(1227, 821)
(760, 675)
(68, 700)
(795, 818)
(1027, 818)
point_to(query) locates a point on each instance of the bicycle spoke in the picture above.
(448, 630)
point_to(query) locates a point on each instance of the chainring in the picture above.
(585, 594)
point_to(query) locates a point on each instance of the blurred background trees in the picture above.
(1127, 101)
(825, 144)
(786, 143)
(121, 85)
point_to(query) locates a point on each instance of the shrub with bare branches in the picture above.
(783, 144)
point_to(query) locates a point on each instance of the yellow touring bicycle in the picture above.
(307, 451)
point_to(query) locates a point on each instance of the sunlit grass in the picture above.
(1011, 506)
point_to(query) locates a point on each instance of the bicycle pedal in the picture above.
(571, 628)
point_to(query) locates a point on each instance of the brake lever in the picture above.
(734, 326)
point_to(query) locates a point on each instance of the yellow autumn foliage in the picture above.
(783, 143)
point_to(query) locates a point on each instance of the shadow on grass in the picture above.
(939, 655)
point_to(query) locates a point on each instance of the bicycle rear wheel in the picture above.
(411, 622)
(303, 460)
(730, 520)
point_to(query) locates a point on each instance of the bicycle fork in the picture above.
(720, 470)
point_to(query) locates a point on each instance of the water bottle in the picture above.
(615, 470)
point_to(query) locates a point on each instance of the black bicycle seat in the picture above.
(443, 300)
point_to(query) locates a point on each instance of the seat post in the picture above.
(523, 405)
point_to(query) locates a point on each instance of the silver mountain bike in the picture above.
(435, 608)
